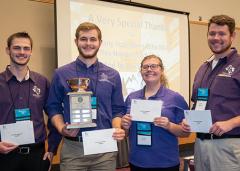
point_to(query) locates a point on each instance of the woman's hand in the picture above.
(185, 126)
(126, 121)
(162, 122)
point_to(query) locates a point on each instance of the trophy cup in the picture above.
(80, 104)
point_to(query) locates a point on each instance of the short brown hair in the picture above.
(19, 35)
(163, 78)
(86, 26)
(223, 20)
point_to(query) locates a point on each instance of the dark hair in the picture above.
(163, 78)
(19, 35)
(86, 26)
(223, 20)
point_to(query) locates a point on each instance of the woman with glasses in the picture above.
(154, 146)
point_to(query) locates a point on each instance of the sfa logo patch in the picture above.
(36, 91)
(228, 71)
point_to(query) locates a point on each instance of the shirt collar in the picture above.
(82, 65)
(9, 75)
(159, 93)
(233, 51)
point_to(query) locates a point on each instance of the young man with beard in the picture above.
(217, 88)
(23, 97)
(105, 83)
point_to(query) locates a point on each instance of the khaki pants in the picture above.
(217, 155)
(72, 159)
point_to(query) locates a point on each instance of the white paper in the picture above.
(18, 133)
(99, 141)
(201, 105)
(145, 110)
(199, 120)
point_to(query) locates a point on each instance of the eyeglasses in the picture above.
(151, 66)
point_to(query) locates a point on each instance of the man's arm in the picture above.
(221, 127)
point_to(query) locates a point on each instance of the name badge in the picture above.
(144, 134)
(94, 107)
(202, 98)
(22, 114)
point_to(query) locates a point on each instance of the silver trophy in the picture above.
(80, 104)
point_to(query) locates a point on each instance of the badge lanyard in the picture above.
(144, 133)
(210, 84)
(203, 93)
(21, 114)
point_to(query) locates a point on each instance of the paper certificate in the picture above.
(99, 141)
(199, 120)
(18, 133)
(145, 110)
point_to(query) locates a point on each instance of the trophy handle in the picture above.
(88, 81)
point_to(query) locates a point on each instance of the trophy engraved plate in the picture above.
(80, 104)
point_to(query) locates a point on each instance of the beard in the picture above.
(222, 50)
(82, 54)
(13, 60)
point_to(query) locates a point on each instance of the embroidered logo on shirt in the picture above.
(229, 70)
(36, 91)
(104, 77)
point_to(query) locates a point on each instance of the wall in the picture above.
(37, 19)
(203, 8)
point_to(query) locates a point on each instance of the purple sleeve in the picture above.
(55, 98)
(54, 138)
(117, 98)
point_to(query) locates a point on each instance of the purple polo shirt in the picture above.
(164, 149)
(31, 93)
(224, 88)
(105, 83)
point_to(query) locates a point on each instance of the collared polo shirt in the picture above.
(223, 83)
(31, 93)
(164, 149)
(105, 83)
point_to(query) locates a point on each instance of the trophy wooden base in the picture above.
(81, 125)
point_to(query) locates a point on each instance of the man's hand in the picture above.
(126, 121)
(48, 156)
(221, 127)
(57, 121)
(7, 147)
(69, 132)
(119, 134)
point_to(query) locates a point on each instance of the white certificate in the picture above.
(199, 120)
(145, 110)
(18, 133)
(99, 141)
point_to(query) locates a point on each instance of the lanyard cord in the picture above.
(210, 83)
(13, 100)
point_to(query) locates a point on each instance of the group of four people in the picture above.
(23, 89)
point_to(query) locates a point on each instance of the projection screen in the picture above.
(130, 32)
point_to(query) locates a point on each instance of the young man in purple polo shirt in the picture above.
(217, 82)
(105, 83)
(23, 98)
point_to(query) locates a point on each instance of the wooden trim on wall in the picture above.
(44, 1)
